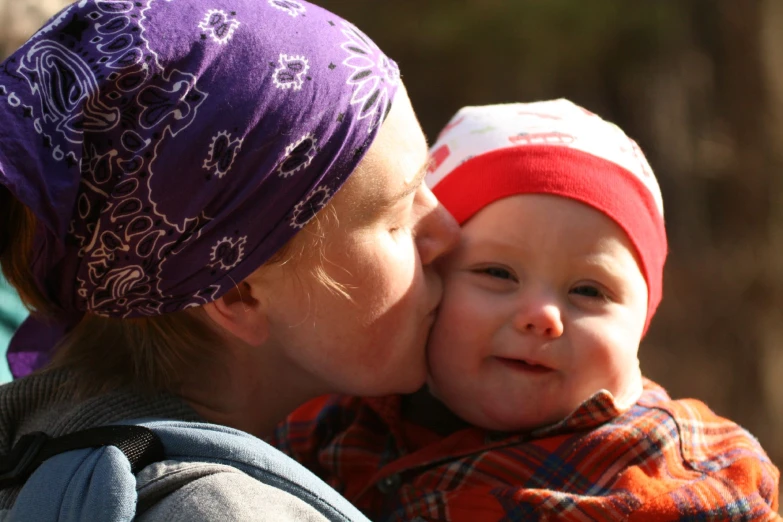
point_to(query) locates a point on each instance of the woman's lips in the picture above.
(524, 366)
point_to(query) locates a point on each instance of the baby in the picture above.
(535, 407)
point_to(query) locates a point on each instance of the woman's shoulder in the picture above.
(194, 491)
(47, 402)
(206, 470)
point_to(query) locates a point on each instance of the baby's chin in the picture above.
(496, 419)
(626, 398)
(622, 401)
(510, 422)
(496, 415)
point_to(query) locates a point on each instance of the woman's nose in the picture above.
(437, 231)
(540, 318)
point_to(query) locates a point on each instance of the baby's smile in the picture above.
(525, 366)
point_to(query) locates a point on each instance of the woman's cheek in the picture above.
(404, 259)
(387, 273)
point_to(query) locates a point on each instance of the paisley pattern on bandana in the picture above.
(291, 7)
(298, 156)
(222, 152)
(306, 209)
(373, 78)
(164, 159)
(291, 72)
(219, 25)
(228, 253)
(69, 103)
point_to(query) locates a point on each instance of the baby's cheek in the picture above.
(447, 341)
(463, 301)
(599, 364)
(622, 372)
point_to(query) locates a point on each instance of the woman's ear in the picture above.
(240, 312)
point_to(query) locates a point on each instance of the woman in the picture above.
(222, 205)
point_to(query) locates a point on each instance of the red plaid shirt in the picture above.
(660, 460)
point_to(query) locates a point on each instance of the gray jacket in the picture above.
(167, 490)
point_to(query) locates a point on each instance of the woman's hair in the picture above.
(17, 229)
(147, 354)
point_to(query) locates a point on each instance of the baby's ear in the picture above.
(240, 312)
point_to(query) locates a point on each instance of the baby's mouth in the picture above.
(525, 366)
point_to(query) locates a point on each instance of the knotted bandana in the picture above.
(168, 148)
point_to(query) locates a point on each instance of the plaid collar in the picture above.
(599, 409)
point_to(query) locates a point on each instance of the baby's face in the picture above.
(544, 305)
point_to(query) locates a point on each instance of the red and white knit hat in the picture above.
(552, 147)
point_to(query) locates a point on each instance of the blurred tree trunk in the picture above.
(772, 360)
(718, 143)
(748, 184)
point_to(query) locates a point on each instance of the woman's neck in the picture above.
(251, 390)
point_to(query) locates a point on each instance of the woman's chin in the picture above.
(414, 381)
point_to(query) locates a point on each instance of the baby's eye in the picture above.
(497, 272)
(588, 291)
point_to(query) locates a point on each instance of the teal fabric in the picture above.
(12, 313)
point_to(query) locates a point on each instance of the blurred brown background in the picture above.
(698, 83)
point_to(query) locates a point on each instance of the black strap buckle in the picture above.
(140, 445)
(22, 461)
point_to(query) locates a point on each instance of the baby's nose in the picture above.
(542, 319)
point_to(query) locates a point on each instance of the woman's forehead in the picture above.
(393, 167)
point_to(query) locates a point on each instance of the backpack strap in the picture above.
(84, 479)
(139, 444)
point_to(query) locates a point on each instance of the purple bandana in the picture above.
(171, 147)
